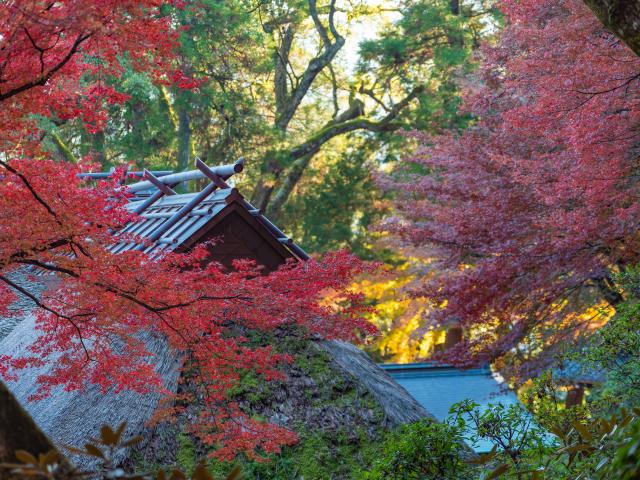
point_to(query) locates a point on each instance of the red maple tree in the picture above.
(536, 203)
(95, 320)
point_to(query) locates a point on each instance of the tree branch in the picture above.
(35, 195)
(315, 66)
(303, 154)
(42, 80)
(41, 305)
(386, 124)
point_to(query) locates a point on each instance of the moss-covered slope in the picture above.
(338, 418)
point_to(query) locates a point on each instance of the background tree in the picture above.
(535, 202)
(283, 84)
(621, 17)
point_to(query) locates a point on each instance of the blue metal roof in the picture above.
(437, 387)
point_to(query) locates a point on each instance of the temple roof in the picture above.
(172, 221)
(437, 387)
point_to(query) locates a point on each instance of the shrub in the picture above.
(423, 450)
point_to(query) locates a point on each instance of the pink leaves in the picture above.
(537, 197)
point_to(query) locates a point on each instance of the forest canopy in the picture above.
(463, 174)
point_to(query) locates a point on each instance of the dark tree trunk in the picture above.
(455, 7)
(98, 141)
(453, 337)
(622, 17)
(609, 291)
(18, 431)
(575, 396)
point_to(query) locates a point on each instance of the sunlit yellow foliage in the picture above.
(400, 316)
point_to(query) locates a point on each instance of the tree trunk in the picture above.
(63, 149)
(282, 195)
(455, 7)
(608, 290)
(575, 396)
(453, 337)
(184, 139)
(98, 140)
(18, 431)
(622, 17)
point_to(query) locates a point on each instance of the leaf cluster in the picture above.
(48, 466)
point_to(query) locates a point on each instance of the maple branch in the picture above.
(48, 266)
(42, 80)
(17, 256)
(200, 299)
(35, 195)
(41, 305)
(609, 90)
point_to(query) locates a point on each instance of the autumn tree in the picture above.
(54, 59)
(534, 204)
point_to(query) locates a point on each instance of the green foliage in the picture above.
(614, 349)
(340, 203)
(423, 450)
(432, 42)
(544, 400)
(581, 447)
(232, 49)
(625, 463)
(186, 456)
(520, 443)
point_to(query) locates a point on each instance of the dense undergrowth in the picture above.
(343, 433)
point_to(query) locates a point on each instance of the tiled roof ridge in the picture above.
(170, 218)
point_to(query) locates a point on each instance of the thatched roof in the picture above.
(399, 406)
(173, 221)
(72, 418)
